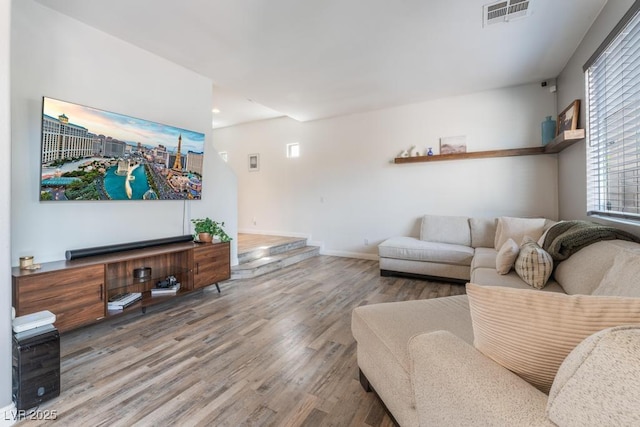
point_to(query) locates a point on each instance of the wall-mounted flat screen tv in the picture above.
(91, 154)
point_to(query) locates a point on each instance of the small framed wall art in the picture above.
(568, 118)
(453, 144)
(254, 162)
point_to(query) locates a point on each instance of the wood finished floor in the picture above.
(276, 350)
(249, 242)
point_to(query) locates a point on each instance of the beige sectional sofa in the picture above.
(448, 247)
(442, 361)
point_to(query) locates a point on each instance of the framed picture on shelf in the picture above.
(254, 162)
(568, 118)
(453, 144)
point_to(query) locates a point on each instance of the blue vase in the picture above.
(429, 153)
(548, 130)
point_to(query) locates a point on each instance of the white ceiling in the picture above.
(234, 108)
(314, 59)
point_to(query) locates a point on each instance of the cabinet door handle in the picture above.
(101, 291)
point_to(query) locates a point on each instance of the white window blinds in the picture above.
(613, 116)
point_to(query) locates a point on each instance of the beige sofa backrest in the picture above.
(483, 232)
(446, 229)
(583, 271)
(462, 230)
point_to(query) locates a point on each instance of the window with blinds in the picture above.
(613, 116)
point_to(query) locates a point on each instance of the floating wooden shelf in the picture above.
(560, 142)
(564, 140)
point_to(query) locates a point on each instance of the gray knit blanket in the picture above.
(568, 237)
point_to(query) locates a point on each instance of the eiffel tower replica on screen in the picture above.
(177, 165)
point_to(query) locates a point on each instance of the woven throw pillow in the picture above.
(599, 381)
(623, 278)
(517, 228)
(533, 264)
(531, 332)
(507, 256)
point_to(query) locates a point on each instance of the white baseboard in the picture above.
(345, 254)
(8, 415)
(318, 244)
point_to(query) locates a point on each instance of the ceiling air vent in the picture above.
(504, 11)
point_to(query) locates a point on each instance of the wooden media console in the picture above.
(77, 291)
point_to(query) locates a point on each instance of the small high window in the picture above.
(293, 150)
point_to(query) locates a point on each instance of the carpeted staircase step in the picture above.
(269, 263)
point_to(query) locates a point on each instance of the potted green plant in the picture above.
(205, 229)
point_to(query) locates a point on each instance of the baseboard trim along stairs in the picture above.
(265, 259)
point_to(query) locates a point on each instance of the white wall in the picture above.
(343, 189)
(572, 189)
(5, 200)
(56, 56)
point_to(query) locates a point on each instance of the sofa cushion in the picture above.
(517, 228)
(483, 232)
(484, 258)
(507, 256)
(410, 248)
(533, 264)
(583, 271)
(490, 277)
(599, 381)
(446, 229)
(623, 278)
(388, 327)
(456, 385)
(383, 332)
(531, 332)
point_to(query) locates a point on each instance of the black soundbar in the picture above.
(103, 250)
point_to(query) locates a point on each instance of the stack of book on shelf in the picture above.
(171, 290)
(122, 301)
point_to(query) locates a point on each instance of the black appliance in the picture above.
(36, 366)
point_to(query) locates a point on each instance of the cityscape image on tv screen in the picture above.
(91, 154)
